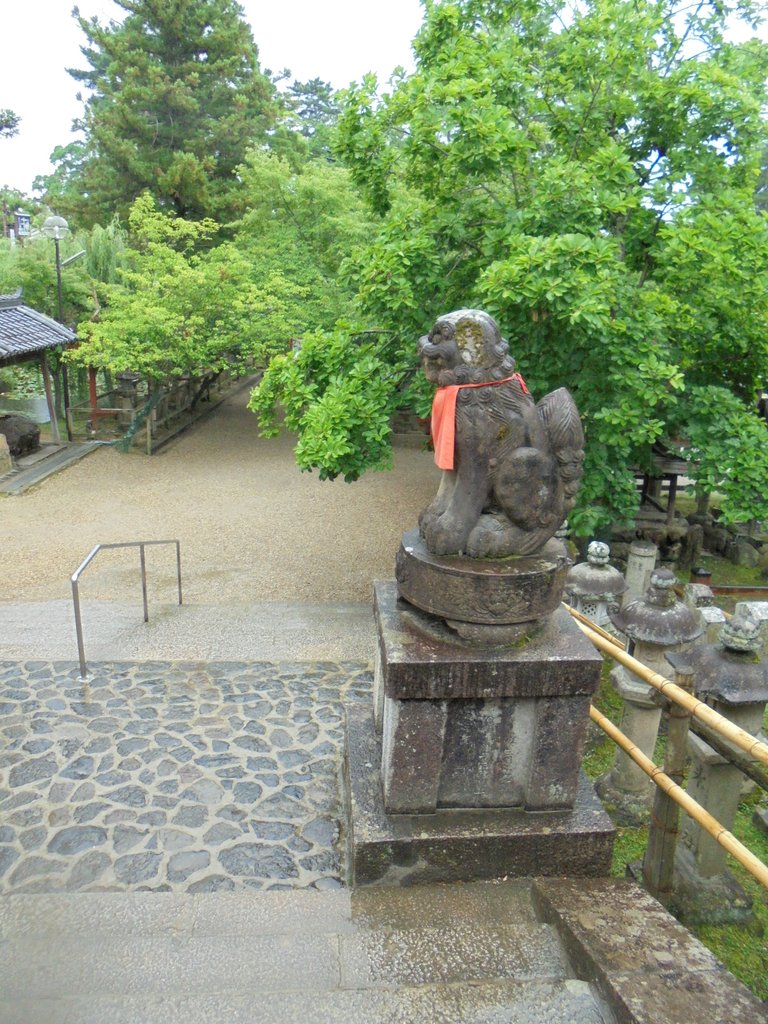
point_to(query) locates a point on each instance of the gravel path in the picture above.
(252, 526)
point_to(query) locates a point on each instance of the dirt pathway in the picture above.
(252, 526)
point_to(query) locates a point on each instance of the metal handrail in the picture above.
(140, 544)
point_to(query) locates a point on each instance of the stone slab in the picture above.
(455, 845)
(500, 752)
(181, 964)
(490, 591)
(557, 661)
(646, 965)
(519, 951)
(562, 1002)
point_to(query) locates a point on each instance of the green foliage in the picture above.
(590, 182)
(177, 311)
(302, 223)
(32, 267)
(22, 381)
(175, 98)
(744, 949)
(730, 452)
(9, 123)
(313, 113)
(105, 248)
(338, 392)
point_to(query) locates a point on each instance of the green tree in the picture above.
(313, 111)
(176, 311)
(9, 123)
(175, 97)
(32, 267)
(588, 177)
(303, 223)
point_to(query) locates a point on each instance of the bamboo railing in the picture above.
(711, 825)
(714, 722)
(695, 707)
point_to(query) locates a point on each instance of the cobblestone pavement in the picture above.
(180, 776)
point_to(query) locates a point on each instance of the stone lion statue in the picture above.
(511, 467)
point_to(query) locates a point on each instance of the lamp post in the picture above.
(57, 228)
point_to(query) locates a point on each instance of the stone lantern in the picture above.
(654, 626)
(730, 677)
(699, 595)
(595, 586)
(127, 389)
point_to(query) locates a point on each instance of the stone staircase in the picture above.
(551, 951)
(194, 778)
(473, 952)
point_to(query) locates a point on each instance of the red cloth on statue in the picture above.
(443, 425)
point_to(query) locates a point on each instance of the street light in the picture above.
(57, 228)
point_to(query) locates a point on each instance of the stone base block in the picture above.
(461, 845)
(628, 808)
(716, 899)
(479, 728)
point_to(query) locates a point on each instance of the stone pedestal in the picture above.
(6, 464)
(473, 764)
(626, 789)
(461, 845)
(731, 678)
(483, 600)
(705, 891)
(656, 626)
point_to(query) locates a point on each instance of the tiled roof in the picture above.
(24, 331)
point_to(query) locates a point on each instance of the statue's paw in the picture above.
(492, 537)
(427, 519)
(445, 537)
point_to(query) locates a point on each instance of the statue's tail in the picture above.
(561, 418)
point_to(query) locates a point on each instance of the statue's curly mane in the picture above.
(485, 354)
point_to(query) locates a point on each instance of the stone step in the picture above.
(568, 1002)
(115, 631)
(462, 952)
(33, 471)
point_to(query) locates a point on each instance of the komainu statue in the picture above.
(511, 467)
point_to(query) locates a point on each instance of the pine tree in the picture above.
(175, 97)
(9, 123)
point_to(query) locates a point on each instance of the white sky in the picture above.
(335, 40)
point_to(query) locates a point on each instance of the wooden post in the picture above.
(659, 860)
(93, 395)
(49, 397)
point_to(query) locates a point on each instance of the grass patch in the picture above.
(744, 950)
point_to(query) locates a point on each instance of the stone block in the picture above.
(469, 727)
(487, 751)
(6, 464)
(714, 620)
(22, 435)
(461, 845)
(758, 612)
(418, 662)
(413, 732)
(646, 965)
